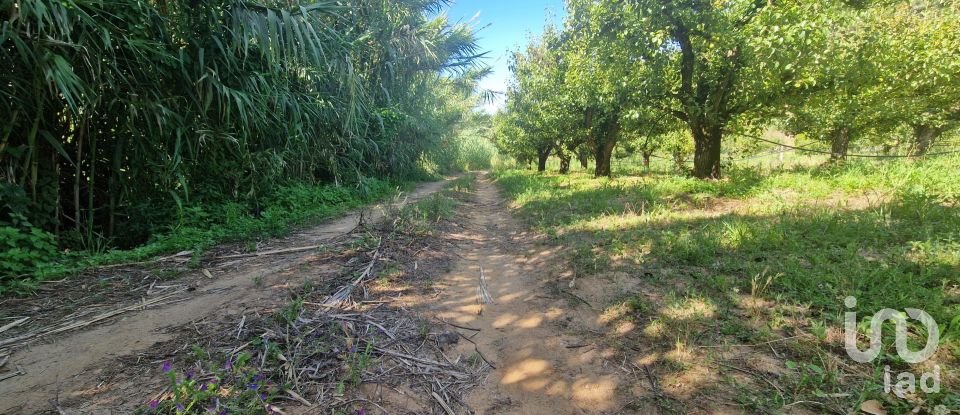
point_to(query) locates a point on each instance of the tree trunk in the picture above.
(584, 160)
(839, 144)
(603, 162)
(923, 137)
(603, 150)
(564, 163)
(646, 159)
(706, 155)
(542, 156)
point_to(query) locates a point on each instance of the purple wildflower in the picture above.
(180, 408)
(258, 377)
(361, 411)
(223, 412)
(166, 366)
(203, 387)
(253, 386)
(229, 365)
(190, 374)
(154, 404)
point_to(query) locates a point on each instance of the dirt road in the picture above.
(65, 367)
(525, 325)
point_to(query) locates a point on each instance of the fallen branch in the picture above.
(476, 348)
(161, 259)
(579, 346)
(344, 292)
(274, 252)
(443, 404)
(297, 396)
(483, 294)
(577, 297)
(14, 324)
(750, 345)
(240, 329)
(457, 325)
(751, 373)
(50, 331)
(6, 376)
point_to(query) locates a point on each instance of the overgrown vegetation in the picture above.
(765, 256)
(34, 256)
(174, 124)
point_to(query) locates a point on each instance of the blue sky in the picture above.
(508, 26)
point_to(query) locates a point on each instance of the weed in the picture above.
(291, 312)
(358, 363)
(218, 388)
(307, 288)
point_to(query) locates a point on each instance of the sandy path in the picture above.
(66, 366)
(540, 368)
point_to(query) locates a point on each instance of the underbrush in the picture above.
(31, 256)
(335, 334)
(767, 256)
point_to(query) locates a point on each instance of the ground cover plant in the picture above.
(691, 268)
(32, 255)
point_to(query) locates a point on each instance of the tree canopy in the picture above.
(835, 71)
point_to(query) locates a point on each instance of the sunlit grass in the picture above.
(762, 254)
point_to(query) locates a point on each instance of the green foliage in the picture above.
(25, 249)
(358, 362)
(878, 75)
(420, 217)
(475, 153)
(238, 386)
(536, 115)
(33, 255)
(125, 119)
(469, 148)
(23, 252)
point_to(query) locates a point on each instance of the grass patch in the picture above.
(764, 255)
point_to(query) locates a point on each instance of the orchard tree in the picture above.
(847, 104)
(890, 66)
(709, 63)
(922, 74)
(601, 77)
(646, 131)
(535, 122)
